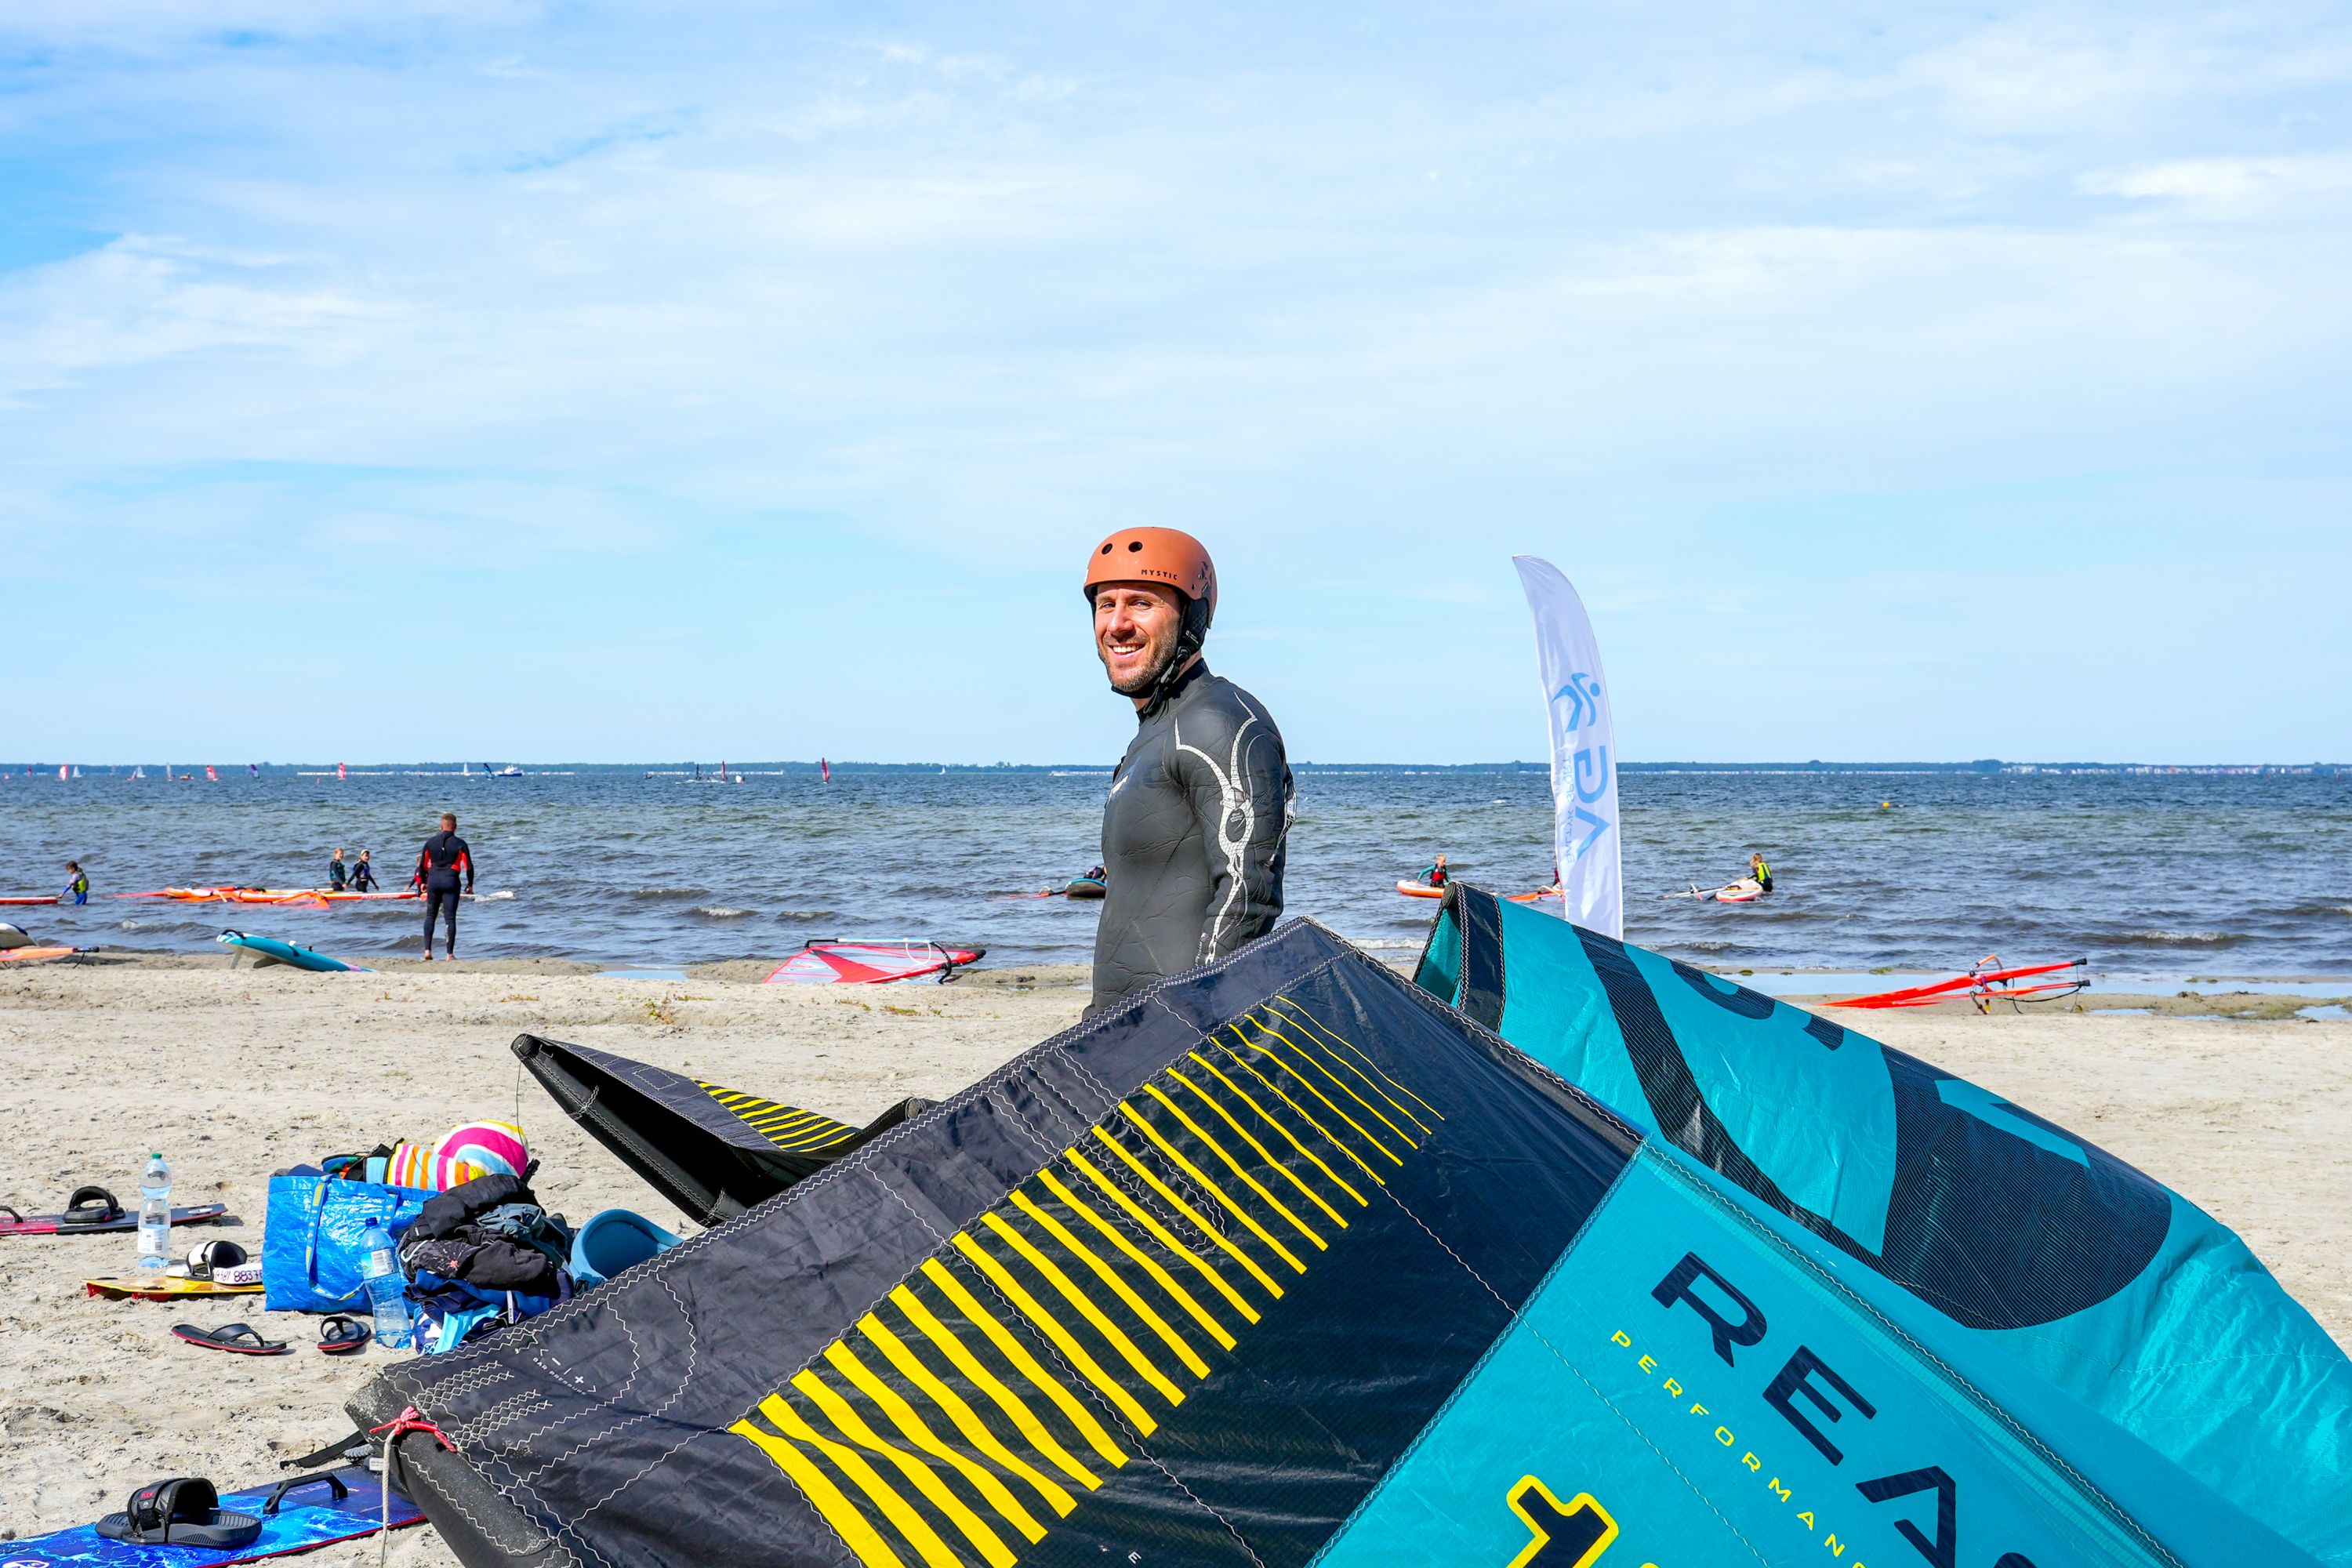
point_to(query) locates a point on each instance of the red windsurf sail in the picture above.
(1986, 984)
(871, 963)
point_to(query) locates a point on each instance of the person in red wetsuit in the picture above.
(444, 865)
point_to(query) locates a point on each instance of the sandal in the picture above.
(342, 1335)
(237, 1339)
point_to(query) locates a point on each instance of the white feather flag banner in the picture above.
(1585, 837)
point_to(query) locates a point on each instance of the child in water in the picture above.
(363, 875)
(335, 876)
(76, 887)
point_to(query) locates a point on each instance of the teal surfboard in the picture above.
(288, 953)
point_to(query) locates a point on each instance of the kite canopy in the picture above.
(2001, 1229)
(1280, 1261)
(714, 1152)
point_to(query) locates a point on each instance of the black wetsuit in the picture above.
(444, 863)
(334, 876)
(363, 878)
(1193, 835)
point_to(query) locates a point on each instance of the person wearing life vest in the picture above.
(1435, 876)
(444, 860)
(1198, 819)
(1760, 871)
(76, 887)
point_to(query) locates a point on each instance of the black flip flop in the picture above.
(237, 1339)
(342, 1335)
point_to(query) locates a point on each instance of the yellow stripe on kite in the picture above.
(1054, 1328)
(926, 1481)
(1108, 1275)
(1018, 1354)
(1189, 1212)
(968, 1421)
(817, 1487)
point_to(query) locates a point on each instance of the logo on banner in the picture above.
(1582, 695)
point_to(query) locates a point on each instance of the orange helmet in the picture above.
(1167, 556)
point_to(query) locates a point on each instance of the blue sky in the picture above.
(610, 383)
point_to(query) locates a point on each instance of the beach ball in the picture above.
(474, 1149)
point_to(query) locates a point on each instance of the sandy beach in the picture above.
(237, 1073)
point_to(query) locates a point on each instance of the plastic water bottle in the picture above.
(387, 1289)
(155, 1215)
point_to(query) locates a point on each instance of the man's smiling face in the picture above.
(1136, 629)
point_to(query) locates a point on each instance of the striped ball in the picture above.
(474, 1149)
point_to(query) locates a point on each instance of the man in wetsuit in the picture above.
(1194, 830)
(442, 866)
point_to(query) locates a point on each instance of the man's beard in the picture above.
(1146, 680)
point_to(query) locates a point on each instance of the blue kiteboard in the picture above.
(310, 1514)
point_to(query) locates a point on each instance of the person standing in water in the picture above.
(443, 866)
(1435, 876)
(335, 875)
(1196, 826)
(363, 875)
(1759, 871)
(76, 887)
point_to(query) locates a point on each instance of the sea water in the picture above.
(2168, 874)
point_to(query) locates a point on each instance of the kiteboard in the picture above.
(288, 953)
(164, 1287)
(1746, 890)
(1420, 890)
(1085, 887)
(14, 1224)
(832, 962)
(299, 1515)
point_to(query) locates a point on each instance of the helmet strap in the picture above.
(1189, 642)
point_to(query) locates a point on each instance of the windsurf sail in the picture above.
(1282, 1263)
(825, 769)
(1985, 984)
(829, 962)
(1587, 850)
(342, 771)
(210, 775)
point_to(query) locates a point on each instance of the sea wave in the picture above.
(2186, 937)
(666, 895)
(720, 912)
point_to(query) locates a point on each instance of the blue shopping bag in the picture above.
(310, 1257)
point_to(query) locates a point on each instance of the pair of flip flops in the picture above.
(338, 1335)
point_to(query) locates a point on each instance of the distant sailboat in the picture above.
(63, 772)
(138, 773)
(825, 769)
(211, 776)
(342, 771)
